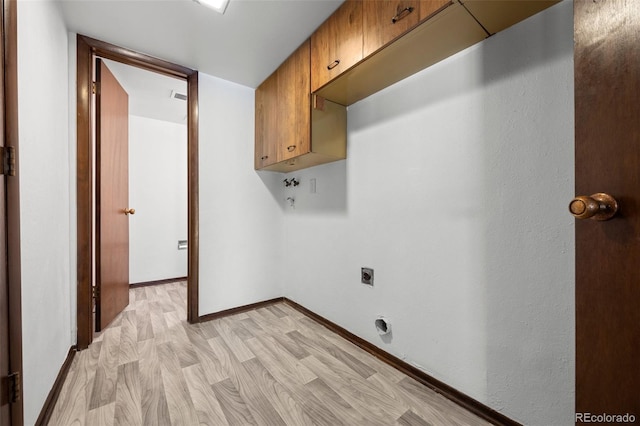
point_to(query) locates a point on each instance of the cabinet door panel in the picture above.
(266, 128)
(337, 44)
(428, 8)
(385, 20)
(294, 104)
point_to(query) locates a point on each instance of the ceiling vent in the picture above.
(177, 95)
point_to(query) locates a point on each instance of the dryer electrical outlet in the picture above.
(366, 276)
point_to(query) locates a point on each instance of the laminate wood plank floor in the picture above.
(268, 366)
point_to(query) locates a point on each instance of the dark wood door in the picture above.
(607, 122)
(112, 196)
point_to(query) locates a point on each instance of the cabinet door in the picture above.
(385, 20)
(428, 8)
(337, 44)
(266, 128)
(294, 104)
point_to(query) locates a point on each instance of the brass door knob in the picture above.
(129, 211)
(598, 206)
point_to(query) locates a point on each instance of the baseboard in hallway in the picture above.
(158, 282)
(54, 393)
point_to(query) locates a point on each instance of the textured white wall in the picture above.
(241, 220)
(45, 198)
(455, 191)
(158, 192)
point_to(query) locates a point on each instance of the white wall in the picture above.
(455, 191)
(45, 195)
(241, 220)
(158, 192)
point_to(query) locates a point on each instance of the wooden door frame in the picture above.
(86, 49)
(10, 110)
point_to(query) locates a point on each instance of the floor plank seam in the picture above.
(269, 365)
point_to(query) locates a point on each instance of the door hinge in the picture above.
(95, 292)
(13, 388)
(8, 163)
(93, 87)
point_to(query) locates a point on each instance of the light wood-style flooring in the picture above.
(268, 366)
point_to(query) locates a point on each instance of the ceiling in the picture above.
(150, 93)
(244, 45)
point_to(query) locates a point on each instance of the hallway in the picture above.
(271, 365)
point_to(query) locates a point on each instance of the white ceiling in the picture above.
(244, 45)
(150, 93)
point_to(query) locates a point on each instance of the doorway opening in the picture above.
(141, 162)
(87, 50)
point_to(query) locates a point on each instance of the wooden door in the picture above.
(607, 122)
(385, 20)
(295, 104)
(337, 44)
(266, 126)
(112, 197)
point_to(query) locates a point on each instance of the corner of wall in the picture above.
(240, 209)
(73, 225)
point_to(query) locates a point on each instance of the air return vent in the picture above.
(177, 95)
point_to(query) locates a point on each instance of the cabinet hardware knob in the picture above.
(333, 64)
(598, 206)
(290, 148)
(404, 12)
(264, 157)
(128, 211)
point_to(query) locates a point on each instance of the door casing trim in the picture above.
(9, 40)
(86, 48)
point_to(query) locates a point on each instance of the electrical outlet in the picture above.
(366, 276)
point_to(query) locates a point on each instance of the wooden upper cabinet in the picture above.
(386, 20)
(337, 44)
(290, 134)
(363, 47)
(294, 88)
(428, 8)
(266, 128)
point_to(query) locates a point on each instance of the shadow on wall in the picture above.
(273, 182)
(543, 49)
(321, 190)
(528, 132)
(496, 124)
